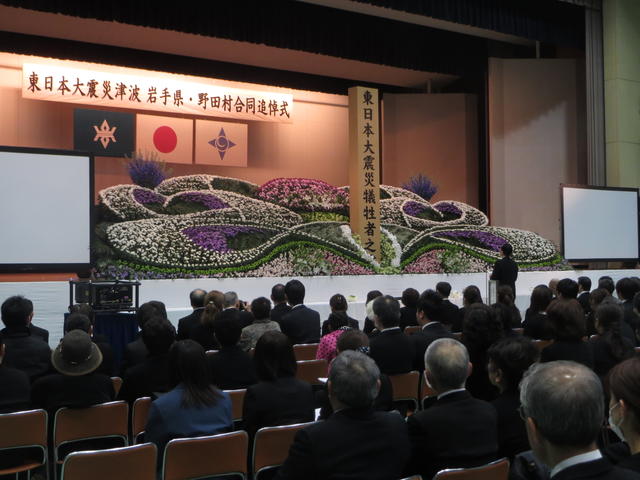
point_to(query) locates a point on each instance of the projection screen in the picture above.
(599, 223)
(46, 214)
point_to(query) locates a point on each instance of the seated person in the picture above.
(369, 326)
(231, 368)
(338, 324)
(339, 305)
(470, 296)
(301, 324)
(278, 398)
(449, 310)
(186, 324)
(15, 388)
(79, 321)
(356, 441)
(391, 349)
(410, 298)
(536, 324)
(429, 312)
(261, 309)
(136, 352)
(194, 407)
(507, 311)
(204, 331)
(458, 431)
(24, 351)
(609, 347)
(151, 377)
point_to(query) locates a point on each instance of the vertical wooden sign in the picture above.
(364, 167)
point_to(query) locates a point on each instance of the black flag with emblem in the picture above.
(103, 133)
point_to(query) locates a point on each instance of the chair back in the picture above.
(411, 329)
(305, 351)
(117, 385)
(127, 463)
(201, 457)
(405, 387)
(498, 470)
(425, 391)
(542, 344)
(237, 402)
(271, 446)
(457, 336)
(139, 417)
(518, 331)
(311, 370)
(24, 430)
(211, 352)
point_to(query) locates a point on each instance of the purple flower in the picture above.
(444, 207)
(485, 239)
(214, 237)
(208, 200)
(414, 208)
(421, 185)
(146, 172)
(145, 196)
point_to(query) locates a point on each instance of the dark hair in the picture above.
(541, 297)
(566, 318)
(567, 288)
(513, 355)
(507, 249)
(443, 288)
(505, 295)
(294, 290)
(597, 297)
(624, 385)
(188, 366)
(387, 309)
(626, 288)
(471, 295)
(338, 320)
(481, 328)
(352, 340)
(507, 316)
(83, 308)
(410, 297)
(277, 293)
(15, 311)
(430, 303)
(261, 308)
(196, 297)
(227, 327)
(609, 317)
(273, 356)
(158, 335)
(338, 303)
(150, 309)
(636, 301)
(585, 283)
(213, 304)
(77, 321)
(373, 294)
(606, 282)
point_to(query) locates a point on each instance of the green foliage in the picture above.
(323, 217)
(178, 206)
(402, 234)
(234, 185)
(247, 240)
(310, 261)
(453, 262)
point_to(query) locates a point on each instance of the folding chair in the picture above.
(104, 421)
(518, 331)
(203, 457)
(271, 446)
(139, 417)
(22, 431)
(542, 344)
(405, 387)
(498, 470)
(411, 329)
(237, 402)
(211, 352)
(305, 351)
(137, 462)
(117, 385)
(311, 370)
(413, 477)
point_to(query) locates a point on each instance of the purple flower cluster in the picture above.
(214, 237)
(146, 173)
(414, 208)
(208, 200)
(145, 196)
(488, 240)
(445, 207)
(421, 185)
(303, 194)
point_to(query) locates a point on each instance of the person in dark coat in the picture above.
(204, 332)
(356, 441)
(79, 321)
(24, 351)
(188, 323)
(15, 388)
(505, 270)
(391, 349)
(279, 299)
(626, 288)
(536, 324)
(338, 304)
(136, 352)
(609, 346)
(410, 298)
(584, 288)
(458, 431)
(233, 302)
(470, 296)
(301, 324)
(369, 326)
(429, 312)
(449, 310)
(562, 404)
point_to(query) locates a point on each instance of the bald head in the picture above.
(446, 364)
(196, 297)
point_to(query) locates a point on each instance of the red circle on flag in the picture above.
(165, 139)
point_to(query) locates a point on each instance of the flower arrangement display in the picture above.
(211, 226)
(146, 170)
(422, 186)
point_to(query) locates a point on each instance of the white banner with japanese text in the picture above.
(122, 90)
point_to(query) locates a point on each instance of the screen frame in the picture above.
(594, 187)
(58, 267)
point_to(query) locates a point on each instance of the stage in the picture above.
(50, 299)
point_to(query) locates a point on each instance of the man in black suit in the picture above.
(458, 431)
(505, 270)
(391, 349)
(301, 324)
(584, 289)
(136, 352)
(24, 351)
(232, 302)
(15, 388)
(408, 312)
(562, 404)
(626, 289)
(430, 307)
(186, 324)
(449, 310)
(567, 289)
(355, 441)
(279, 299)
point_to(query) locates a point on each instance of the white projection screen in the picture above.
(46, 199)
(599, 223)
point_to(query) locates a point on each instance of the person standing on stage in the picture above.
(505, 270)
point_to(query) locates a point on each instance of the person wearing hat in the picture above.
(77, 384)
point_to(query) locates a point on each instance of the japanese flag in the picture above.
(169, 137)
(221, 143)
